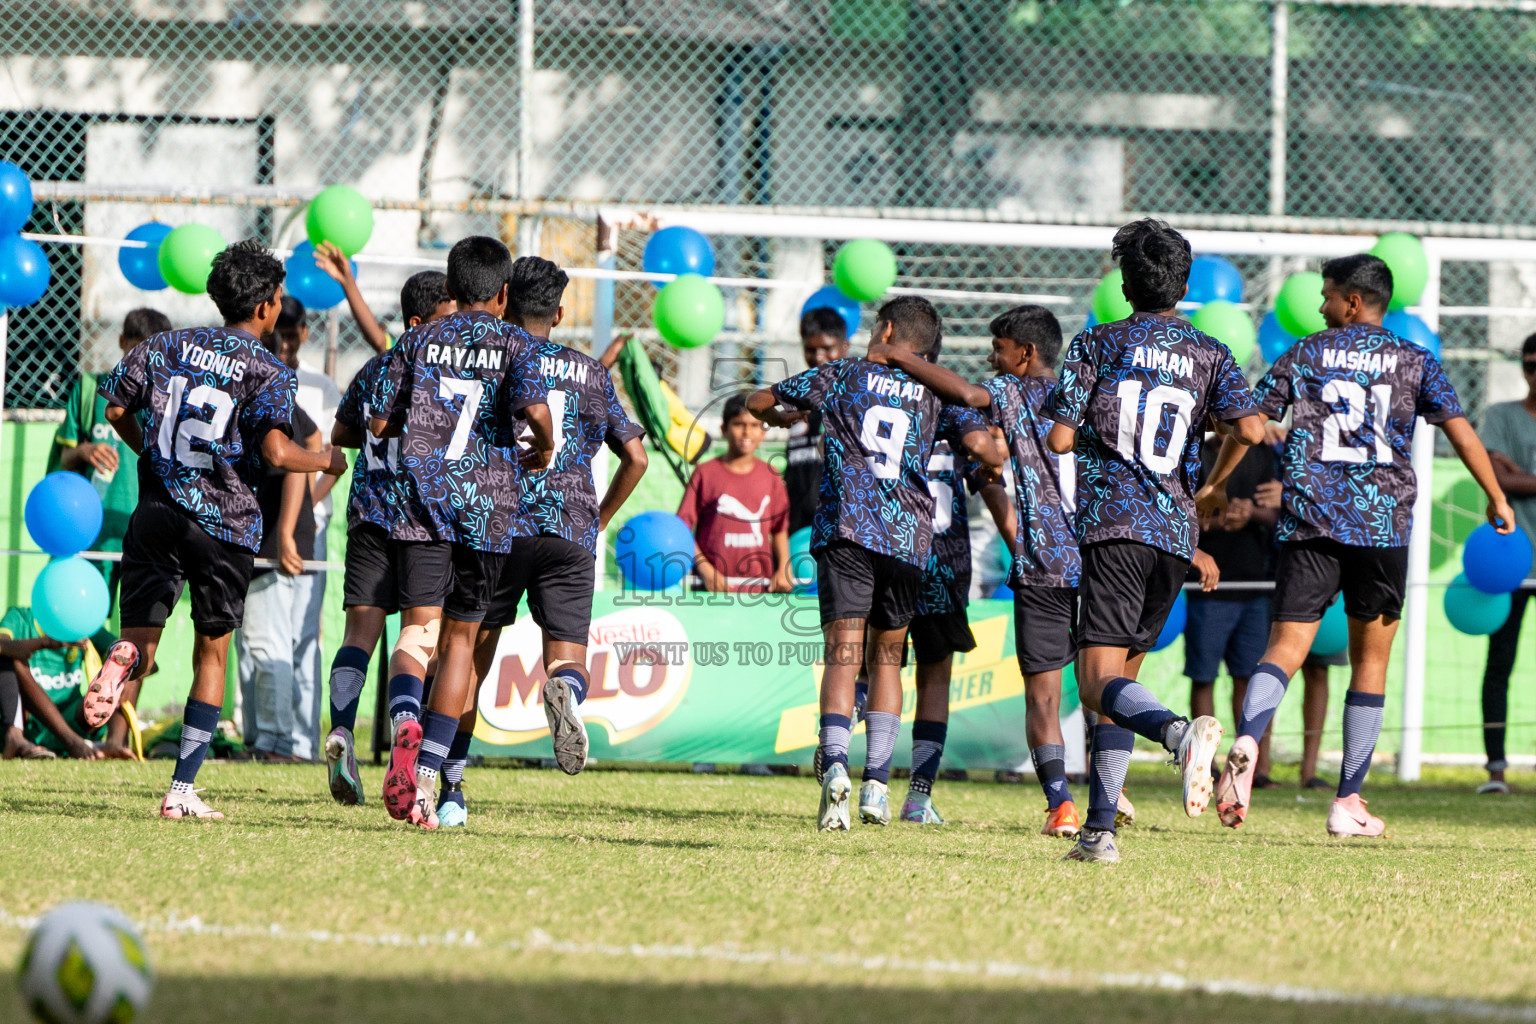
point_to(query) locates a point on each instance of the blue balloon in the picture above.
(678, 250)
(1003, 593)
(802, 564)
(15, 198)
(654, 551)
(1173, 626)
(63, 513)
(70, 599)
(1212, 278)
(1412, 329)
(308, 283)
(1333, 632)
(1274, 340)
(23, 271)
(1496, 563)
(828, 297)
(1473, 612)
(142, 266)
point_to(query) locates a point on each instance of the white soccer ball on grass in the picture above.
(85, 963)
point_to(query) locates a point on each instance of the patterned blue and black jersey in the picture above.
(457, 385)
(562, 500)
(1045, 553)
(880, 426)
(374, 497)
(1138, 391)
(206, 397)
(947, 579)
(1347, 465)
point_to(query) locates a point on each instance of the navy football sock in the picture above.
(1051, 769)
(575, 679)
(927, 750)
(1362, 727)
(835, 733)
(880, 731)
(405, 692)
(1266, 689)
(349, 671)
(198, 724)
(457, 759)
(1132, 706)
(437, 736)
(1112, 747)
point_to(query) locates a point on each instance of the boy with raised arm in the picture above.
(1355, 391)
(213, 404)
(1139, 392)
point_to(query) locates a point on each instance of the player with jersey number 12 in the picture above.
(1355, 391)
(1139, 391)
(206, 406)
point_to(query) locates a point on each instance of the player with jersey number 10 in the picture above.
(1354, 391)
(206, 406)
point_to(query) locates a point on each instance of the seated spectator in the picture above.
(42, 693)
(739, 512)
(86, 443)
(268, 644)
(1232, 625)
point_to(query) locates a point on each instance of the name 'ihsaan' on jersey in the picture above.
(1347, 466)
(1045, 553)
(1138, 391)
(458, 384)
(880, 426)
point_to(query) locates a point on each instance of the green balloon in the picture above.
(689, 311)
(1109, 301)
(186, 257)
(1404, 256)
(1297, 307)
(339, 215)
(1229, 324)
(864, 269)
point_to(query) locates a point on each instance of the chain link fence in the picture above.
(1214, 112)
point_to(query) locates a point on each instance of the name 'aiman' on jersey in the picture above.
(1347, 468)
(457, 384)
(880, 426)
(206, 397)
(1138, 391)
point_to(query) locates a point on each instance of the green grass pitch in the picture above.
(667, 897)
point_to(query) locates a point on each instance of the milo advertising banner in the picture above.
(734, 679)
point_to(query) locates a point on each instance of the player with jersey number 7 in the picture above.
(206, 406)
(1354, 391)
(1132, 399)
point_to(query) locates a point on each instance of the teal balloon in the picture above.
(802, 564)
(1473, 612)
(1333, 632)
(70, 599)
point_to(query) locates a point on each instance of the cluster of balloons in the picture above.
(63, 517)
(654, 551)
(1493, 566)
(182, 257)
(862, 271)
(1214, 283)
(23, 266)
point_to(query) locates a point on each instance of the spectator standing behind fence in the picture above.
(318, 396)
(1230, 624)
(1509, 434)
(85, 443)
(823, 339)
(738, 510)
(279, 722)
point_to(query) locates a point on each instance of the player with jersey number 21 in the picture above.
(206, 406)
(1355, 391)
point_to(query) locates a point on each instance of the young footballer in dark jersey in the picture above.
(204, 408)
(452, 390)
(941, 628)
(1039, 529)
(554, 565)
(378, 582)
(1139, 392)
(872, 531)
(1354, 391)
